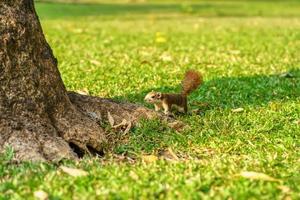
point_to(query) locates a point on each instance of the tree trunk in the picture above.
(38, 118)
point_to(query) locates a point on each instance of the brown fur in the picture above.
(190, 82)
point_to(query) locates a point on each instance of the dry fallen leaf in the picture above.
(177, 125)
(297, 122)
(133, 175)
(286, 75)
(144, 62)
(95, 62)
(237, 110)
(110, 119)
(169, 155)
(149, 158)
(287, 198)
(84, 91)
(41, 195)
(166, 57)
(203, 151)
(257, 176)
(128, 128)
(123, 123)
(284, 188)
(73, 172)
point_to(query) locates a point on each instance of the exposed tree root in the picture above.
(99, 109)
(71, 135)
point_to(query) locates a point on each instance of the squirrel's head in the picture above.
(153, 97)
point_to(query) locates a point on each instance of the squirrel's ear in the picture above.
(158, 95)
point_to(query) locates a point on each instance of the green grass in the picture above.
(221, 8)
(123, 51)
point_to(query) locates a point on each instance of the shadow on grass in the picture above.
(48, 10)
(233, 92)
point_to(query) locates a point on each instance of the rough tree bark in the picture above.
(39, 119)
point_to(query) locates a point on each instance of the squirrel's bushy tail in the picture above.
(191, 81)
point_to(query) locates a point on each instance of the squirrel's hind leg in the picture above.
(181, 109)
(185, 106)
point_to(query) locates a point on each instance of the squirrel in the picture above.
(191, 81)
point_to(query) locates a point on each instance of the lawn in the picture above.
(244, 118)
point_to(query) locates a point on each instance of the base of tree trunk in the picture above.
(78, 135)
(39, 119)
